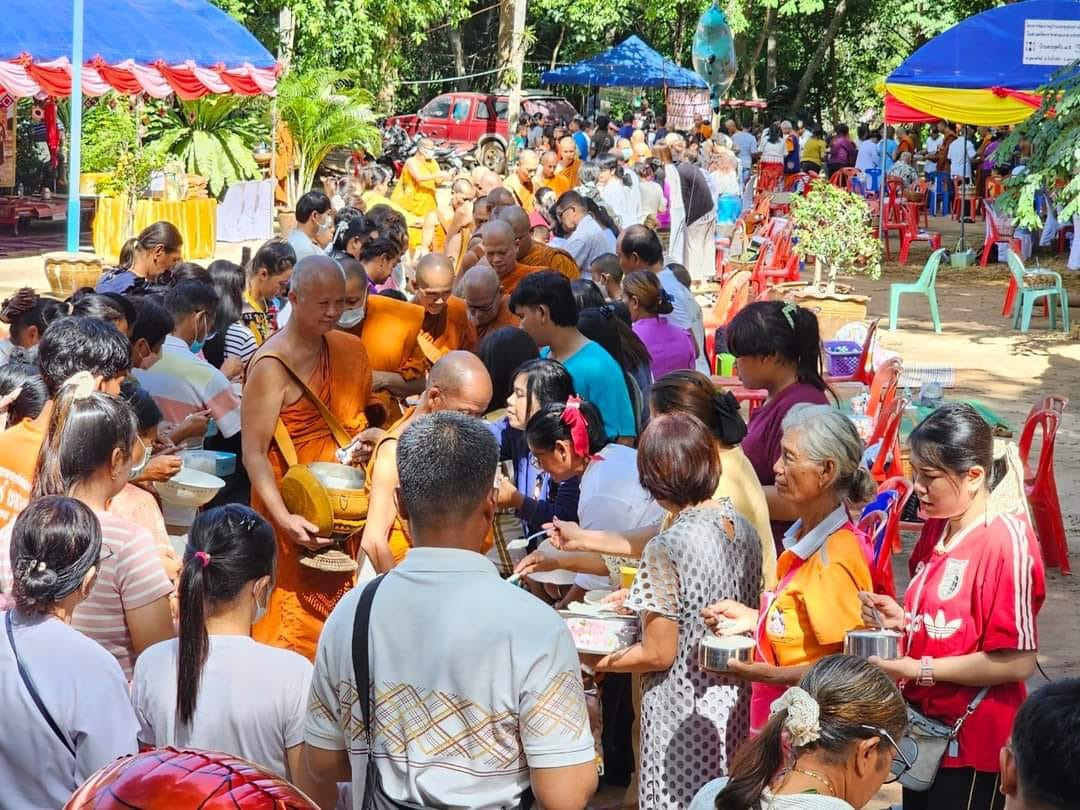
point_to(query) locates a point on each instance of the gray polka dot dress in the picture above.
(692, 720)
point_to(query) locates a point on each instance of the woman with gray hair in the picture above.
(824, 565)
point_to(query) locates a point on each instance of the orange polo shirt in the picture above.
(20, 445)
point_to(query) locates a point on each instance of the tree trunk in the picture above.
(558, 46)
(505, 42)
(770, 63)
(458, 49)
(751, 73)
(819, 53)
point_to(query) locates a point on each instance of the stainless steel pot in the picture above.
(714, 652)
(884, 644)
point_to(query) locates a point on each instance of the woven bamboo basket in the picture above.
(68, 272)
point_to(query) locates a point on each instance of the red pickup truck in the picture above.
(478, 120)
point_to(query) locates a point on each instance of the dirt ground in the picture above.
(1006, 370)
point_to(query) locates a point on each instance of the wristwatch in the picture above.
(926, 672)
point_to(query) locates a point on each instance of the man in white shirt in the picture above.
(314, 225)
(745, 146)
(476, 690)
(587, 239)
(961, 153)
(931, 146)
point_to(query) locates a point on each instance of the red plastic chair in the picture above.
(883, 387)
(770, 176)
(733, 296)
(974, 203)
(864, 371)
(911, 233)
(1041, 488)
(841, 178)
(997, 230)
(887, 432)
(883, 529)
(1053, 402)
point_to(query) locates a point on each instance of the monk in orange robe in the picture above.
(446, 325)
(457, 382)
(550, 177)
(489, 306)
(533, 253)
(522, 183)
(335, 368)
(500, 252)
(389, 330)
(571, 161)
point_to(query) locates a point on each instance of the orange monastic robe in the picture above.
(389, 331)
(541, 255)
(560, 184)
(570, 172)
(448, 331)
(504, 318)
(522, 193)
(304, 597)
(399, 539)
(416, 198)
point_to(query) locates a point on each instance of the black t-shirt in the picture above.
(697, 198)
(602, 142)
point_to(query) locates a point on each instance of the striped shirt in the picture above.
(239, 342)
(131, 576)
(182, 384)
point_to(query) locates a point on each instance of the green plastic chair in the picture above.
(1030, 287)
(924, 286)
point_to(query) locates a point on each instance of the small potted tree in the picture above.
(834, 230)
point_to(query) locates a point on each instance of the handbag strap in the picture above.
(28, 682)
(361, 661)
(975, 701)
(341, 436)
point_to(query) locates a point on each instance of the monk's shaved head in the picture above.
(354, 271)
(516, 218)
(488, 181)
(481, 211)
(528, 160)
(500, 249)
(313, 271)
(434, 270)
(498, 197)
(458, 382)
(480, 284)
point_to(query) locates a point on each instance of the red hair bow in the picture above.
(573, 418)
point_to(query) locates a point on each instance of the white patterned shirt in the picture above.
(474, 682)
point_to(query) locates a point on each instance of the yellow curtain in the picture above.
(195, 219)
(979, 107)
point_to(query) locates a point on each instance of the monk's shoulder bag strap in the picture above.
(375, 797)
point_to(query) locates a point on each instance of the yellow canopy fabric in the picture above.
(981, 107)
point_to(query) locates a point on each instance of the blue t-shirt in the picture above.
(582, 141)
(116, 281)
(599, 380)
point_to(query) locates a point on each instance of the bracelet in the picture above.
(926, 672)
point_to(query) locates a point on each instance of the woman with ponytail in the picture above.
(198, 690)
(829, 744)
(91, 450)
(670, 347)
(618, 191)
(77, 717)
(777, 347)
(824, 565)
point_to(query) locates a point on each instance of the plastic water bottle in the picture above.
(19, 189)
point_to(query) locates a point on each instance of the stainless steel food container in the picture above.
(884, 644)
(714, 652)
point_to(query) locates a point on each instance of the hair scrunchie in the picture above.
(574, 419)
(803, 721)
(726, 409)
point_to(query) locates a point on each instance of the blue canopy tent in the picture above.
(985, 70)
(72, 47)
(631, 63)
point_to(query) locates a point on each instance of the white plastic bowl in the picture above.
(189, 488)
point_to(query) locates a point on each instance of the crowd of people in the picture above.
(512, 362)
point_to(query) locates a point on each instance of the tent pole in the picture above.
(75, 133)
(881, 180)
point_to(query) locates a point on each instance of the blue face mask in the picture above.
(197, 346)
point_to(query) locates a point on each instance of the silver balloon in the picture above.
(714, 52)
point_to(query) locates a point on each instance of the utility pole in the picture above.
(516, 68)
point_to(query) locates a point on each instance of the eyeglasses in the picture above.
(905, 763)
(488, 307)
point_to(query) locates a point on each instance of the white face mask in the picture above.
(352, 317)
(260, 610)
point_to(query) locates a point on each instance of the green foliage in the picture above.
(213, 137)
(833, 226)
(130, 173)
(108, 131)
(1054, 134)
(322, 112)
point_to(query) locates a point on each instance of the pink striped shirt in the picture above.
(182, 384)
(131, 576)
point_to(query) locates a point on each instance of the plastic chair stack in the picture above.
(998, 231)
(924, 286)
(887, 463)
(1039, 483)
(883, 388)
(911, 233)
(1032, 286)
(880, 522)
(841, 178)
(940, 193)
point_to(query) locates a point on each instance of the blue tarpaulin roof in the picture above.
(992, 49)
(631, 63)
(146, 31)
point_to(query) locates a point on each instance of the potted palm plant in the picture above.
(321, 111)
(834, 231)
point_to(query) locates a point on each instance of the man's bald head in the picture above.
(317, 295)
(434, 282)
(500, 247)
(483, 293)
(488, 181)
(463, 186)
(549, 161)
(498, 197)
(458, 382)
(568, 150)
(481, 211)
(516, 218)
(528, 161)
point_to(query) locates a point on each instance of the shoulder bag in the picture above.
(35, 696)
